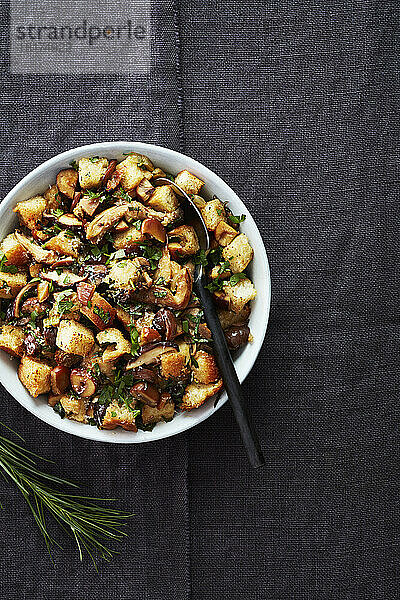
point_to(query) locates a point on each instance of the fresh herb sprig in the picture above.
(91, 525)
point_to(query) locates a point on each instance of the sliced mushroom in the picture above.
(85, 291)
(144, 190)
(146, 392)
(70, 220)
(43, 291)
(63, 279)
(145, 375)
(39, 254)
(148, 334)
(114, 181)
(104, 221)
(117, 344)
(110, 170)
(77, 197)
(67, 180)
(99, 311)
(166, 323)
(59, 379)
(154, 228)
(83, 383)
(163, 296)
(20, 295)
(150, 353)
(64, 262)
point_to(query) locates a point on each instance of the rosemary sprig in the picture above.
(89, 524)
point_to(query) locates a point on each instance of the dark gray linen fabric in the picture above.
(295, 105)
(42, 116)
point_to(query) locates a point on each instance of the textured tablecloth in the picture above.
(295, 105)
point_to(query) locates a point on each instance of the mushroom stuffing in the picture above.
(96, 293)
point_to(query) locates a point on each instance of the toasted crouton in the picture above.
(117, 344)
(75, 408)
(131, 173)
(163, 199)
(187, 244)
(213, 213)
(11, 284)
(34, 375)
(172, 365)
(238, 253)
(117, 415)
(128, 238)
(63, 243)
(12, 340)
(30, 211)
(91, 171)
(206, 370)
(239, 294)
(224, 233)
(52, 198)
(14, 252)
(74, 338)
(188, 182)
(152, 414)
(197, 393)
(124, 274)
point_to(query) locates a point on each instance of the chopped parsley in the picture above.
(74, 165)
(103, 314)
(236, 278)
(160, 293)
(58, 408)
(201, 258)
(235, 219)
(134, 339)
(5, 268)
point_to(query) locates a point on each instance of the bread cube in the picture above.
(188, 243)
(213, 213)
(224, 233)
(197, 393)
(189, 182)
(163, 199)
(239, 294)
(206, 370)
(12, 340)
(131, 174)
(91, 172)
(238, 253)
(64, 244)
(14, 252)
(117, 415)
(128, 238)
(34, 375)
(124, 274)
(172, 365)
(74, 408)
(11, 284)
(52, 198)
(74, 338)
(152, 414)
(31, 211)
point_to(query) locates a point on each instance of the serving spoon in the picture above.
(222, 354)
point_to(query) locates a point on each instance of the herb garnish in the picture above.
(235, 219)
(88, 523)
(6, 268)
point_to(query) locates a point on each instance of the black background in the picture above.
(295, 105)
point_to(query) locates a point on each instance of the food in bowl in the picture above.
(97, 298)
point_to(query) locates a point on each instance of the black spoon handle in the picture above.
(230, 378)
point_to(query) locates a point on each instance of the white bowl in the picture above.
(37, 182)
